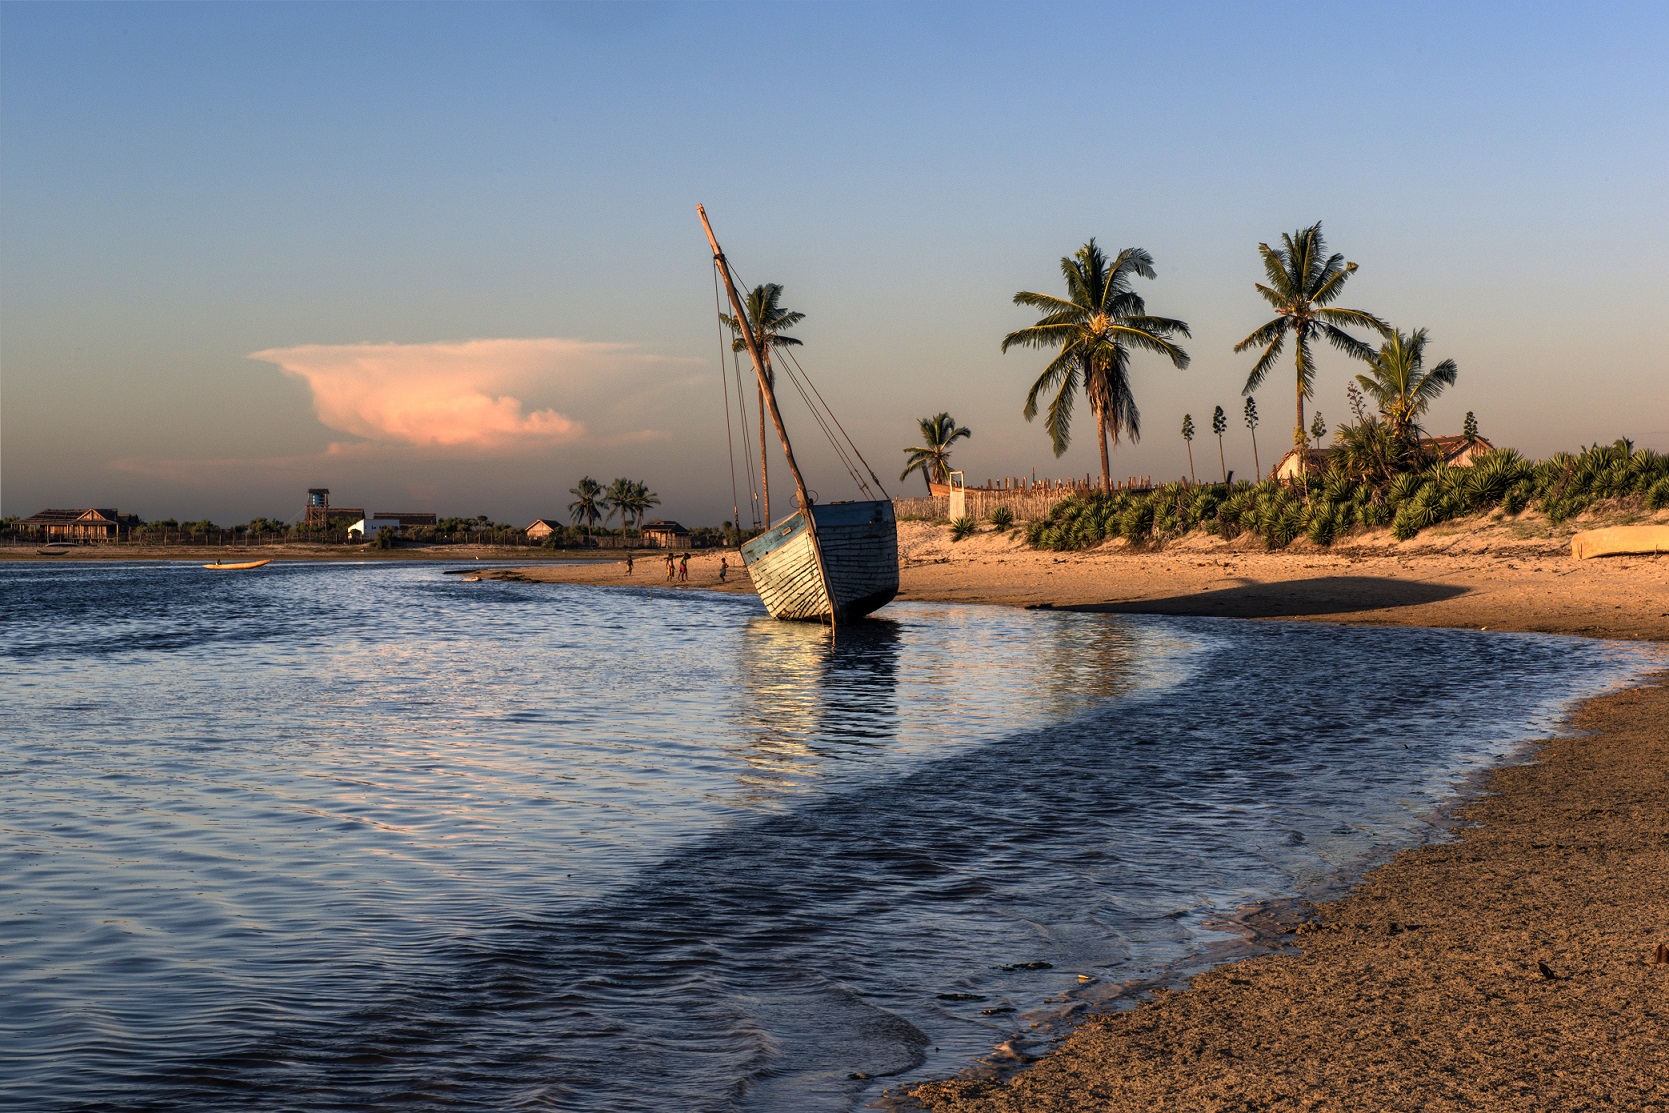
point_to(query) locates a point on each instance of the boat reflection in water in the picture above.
(811, 703)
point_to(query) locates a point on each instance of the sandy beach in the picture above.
(1511, 968)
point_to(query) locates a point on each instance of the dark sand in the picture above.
(1423, 990)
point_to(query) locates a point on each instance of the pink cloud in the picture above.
(449, 393)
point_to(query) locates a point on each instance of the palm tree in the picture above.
(1398, 382)
(932, 456)
(768, 319)
(1303, 283)
(642, 500)
(1094, 327)
(1219, 426)
(618, 500)
(587, 505)
(1188, 439)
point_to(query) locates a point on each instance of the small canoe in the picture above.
(55, 550)
(217, 566)
(1620, 541)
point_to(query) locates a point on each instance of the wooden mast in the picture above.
(770, 403)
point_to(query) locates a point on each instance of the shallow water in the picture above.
(329, 836)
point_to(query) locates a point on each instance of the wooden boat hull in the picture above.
(1620, 541)
(860, 561)
(218, 567)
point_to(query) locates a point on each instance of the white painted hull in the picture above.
(859, 572)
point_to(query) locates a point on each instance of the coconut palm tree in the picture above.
(1094, 329)
(642, 501)
(1304, 281)
(932, 456)
(1400, 385)
(768, 319)
(617, 499)
(587, 506)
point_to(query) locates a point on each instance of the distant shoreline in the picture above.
(203, 554)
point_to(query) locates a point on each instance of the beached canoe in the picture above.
(217, 566)
(857, 573)
(55, 550)
(1620, 541)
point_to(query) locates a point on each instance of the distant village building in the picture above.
(320, 513)
(79, 525)
(665, 535)
(369, 527)
(541, 529)
(1457, 452)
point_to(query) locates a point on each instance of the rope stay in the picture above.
(729, 436)
(845, 449)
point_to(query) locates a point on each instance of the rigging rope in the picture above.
(820, 410)
(742, 419)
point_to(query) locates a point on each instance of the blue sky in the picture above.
(360, 188)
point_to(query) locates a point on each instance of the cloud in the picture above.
(450, 393)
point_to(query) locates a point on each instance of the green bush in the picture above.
(1002, 518)
(963, 527)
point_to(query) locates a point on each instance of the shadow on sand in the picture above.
(1288, 598)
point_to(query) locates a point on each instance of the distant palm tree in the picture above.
(1094, 327)
(932, 456)
(768, 319)
(642, 499)
(587, 506)
(1400, 385)
(618, 500)
(1304, 281)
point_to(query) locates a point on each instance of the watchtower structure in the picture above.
(318, 507)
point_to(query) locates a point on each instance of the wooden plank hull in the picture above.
(1620, 541)
(860, 563)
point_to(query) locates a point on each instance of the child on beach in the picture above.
(669, 568)
(628, 563)
(684, 568)
(724, 568)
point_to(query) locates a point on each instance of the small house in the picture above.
(542, 528)
(1457, 452)
(665, 535)
(368, 528)
(92, 524)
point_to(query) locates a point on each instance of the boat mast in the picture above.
(770, 399)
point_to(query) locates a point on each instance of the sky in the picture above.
(445, 258)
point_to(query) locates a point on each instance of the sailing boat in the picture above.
(833, 562)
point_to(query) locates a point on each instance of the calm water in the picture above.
(335, 837)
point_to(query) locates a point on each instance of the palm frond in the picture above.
(1347, 343)
(1062, 374)
(1265, 334)
(1359, 318)
(1260, 369)
(1041, 336)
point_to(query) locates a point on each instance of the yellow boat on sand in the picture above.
(217, 566)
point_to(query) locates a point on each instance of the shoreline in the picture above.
(1510, 967)
(1419, 983)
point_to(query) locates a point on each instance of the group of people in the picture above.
(678, 568)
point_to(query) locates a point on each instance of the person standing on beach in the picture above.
(628, 562)
(724, 568)
(669, 568)
(684, 569)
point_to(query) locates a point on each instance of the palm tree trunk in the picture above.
(1300, 437)
(764, 479)
(1101, 435)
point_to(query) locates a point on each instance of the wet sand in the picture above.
(1423, 989)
